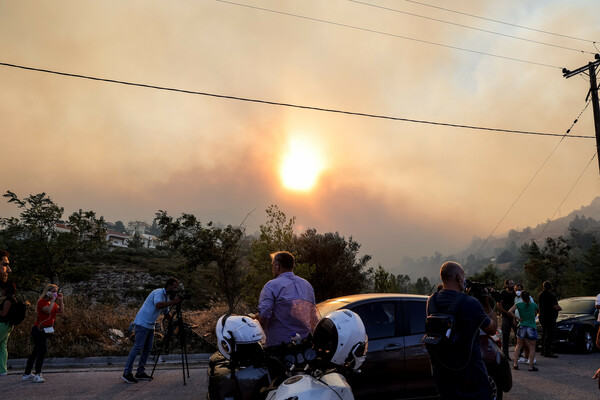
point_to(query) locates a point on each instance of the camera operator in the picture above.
(458, 368)
(156, 303)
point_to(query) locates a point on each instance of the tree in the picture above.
(423, 286)
(217, 251)
(551, 263)
(403, 283)
(135, 242)
(36, 242)
(120, 227)
(277, 234)
(384, 282)
(335, 269)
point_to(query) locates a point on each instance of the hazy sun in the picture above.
(301, 166)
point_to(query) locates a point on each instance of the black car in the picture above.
(397, 364)
(576, 325)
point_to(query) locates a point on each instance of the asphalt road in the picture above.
(563, 378)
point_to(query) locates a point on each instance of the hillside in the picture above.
(556, 228)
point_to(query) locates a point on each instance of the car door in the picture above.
(382, 369)
(417, 366)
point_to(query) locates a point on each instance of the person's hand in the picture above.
(597, 376)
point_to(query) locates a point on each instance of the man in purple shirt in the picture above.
(287, 303)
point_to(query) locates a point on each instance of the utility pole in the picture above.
(591, 68)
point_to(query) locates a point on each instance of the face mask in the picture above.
(518, 293)
(51, 294)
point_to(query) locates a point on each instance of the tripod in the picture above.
(175, 327)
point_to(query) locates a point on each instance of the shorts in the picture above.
(527, 333)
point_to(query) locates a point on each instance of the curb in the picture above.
(110, 361)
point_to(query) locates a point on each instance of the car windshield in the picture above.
(328, 306)
(577, 306)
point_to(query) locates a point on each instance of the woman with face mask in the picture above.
(49, 305)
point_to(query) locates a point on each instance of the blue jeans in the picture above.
(144, 338)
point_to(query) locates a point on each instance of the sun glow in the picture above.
(301, 166)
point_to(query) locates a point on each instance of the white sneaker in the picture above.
(39, 379)
(523, 360)
(28, 377)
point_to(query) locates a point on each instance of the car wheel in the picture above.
(494, 389)
(586, 341)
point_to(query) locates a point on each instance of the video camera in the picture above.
(481, 290)
(182, 293)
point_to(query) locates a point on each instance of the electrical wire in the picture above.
(502, 22)
(472, 27)
(566, 196)
(330, 110)
(532, 178)
(390, 34)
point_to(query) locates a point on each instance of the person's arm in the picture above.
(164, 304)
(491, 328)
(266, 303)
(48, 309)
(501, 308)
(6, 308)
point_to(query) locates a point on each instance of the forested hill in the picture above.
(557, 227)
(504, 248)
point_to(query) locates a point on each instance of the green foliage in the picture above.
(337, 269)
(36, 244)
(551, 263)
(384, 282)
(216, 251)
(277, 234)
(489, 274)
(135, 242)
(423, 286)
(78, 273)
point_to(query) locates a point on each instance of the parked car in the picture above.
(576, 325)
(397, 364)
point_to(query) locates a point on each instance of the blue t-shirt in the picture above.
(148, 314)
(459, 371)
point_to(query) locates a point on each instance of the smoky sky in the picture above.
(398, 188)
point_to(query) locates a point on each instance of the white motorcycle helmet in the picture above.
(236, 332)
(340, 337)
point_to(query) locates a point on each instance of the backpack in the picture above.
(17, 313)
(440, 327)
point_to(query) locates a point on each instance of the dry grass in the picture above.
(84, 330)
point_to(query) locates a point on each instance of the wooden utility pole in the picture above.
(591, 68)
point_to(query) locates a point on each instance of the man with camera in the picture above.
(156, 303)
(458, 367)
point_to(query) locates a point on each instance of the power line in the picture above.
(566, 196)
(532, 178)
(501, 22)
(471, 27)
(390, 34)
(330, 110)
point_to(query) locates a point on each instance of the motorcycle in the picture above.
(308, 369)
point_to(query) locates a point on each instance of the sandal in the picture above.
(533, 369)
